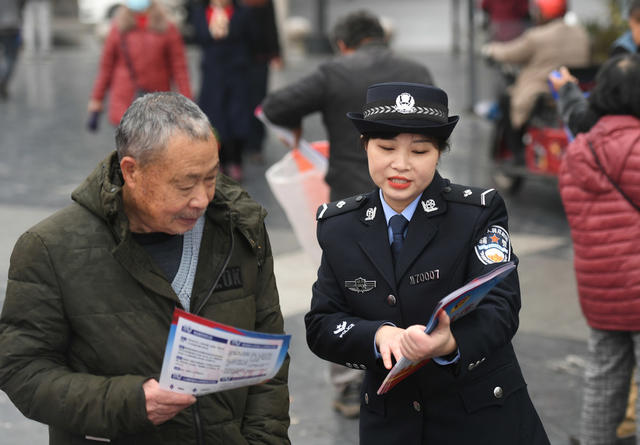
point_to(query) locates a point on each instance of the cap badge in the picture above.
(405, 103)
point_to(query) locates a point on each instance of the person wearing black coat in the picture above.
(379, 283)
(223, 30)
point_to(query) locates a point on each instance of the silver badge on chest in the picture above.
(360, 285)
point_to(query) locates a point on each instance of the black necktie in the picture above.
(397, 223)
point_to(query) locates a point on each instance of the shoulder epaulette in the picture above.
(469, 195)
(338, 207)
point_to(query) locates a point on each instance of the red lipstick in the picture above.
(398, 185)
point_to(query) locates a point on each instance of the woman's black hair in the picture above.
(633, 5)
(441, 145)
(617, 89)
(356, 27)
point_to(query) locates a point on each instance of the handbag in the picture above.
(624, 195)
(139, 92)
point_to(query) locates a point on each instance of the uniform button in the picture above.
(366, 398)
(416, 406)
(391, 300)
(447, 189)
(359, 198)
(497, 392)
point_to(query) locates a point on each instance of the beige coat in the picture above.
(540, 50)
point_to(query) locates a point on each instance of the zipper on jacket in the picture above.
(197, 423)
(224, 267)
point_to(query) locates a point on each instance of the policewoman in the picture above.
(389, 256)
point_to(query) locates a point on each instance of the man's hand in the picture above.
(413, 343)
(162, 405)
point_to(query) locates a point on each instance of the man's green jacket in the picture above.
(87, 314)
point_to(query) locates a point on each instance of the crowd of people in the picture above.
(163, 223)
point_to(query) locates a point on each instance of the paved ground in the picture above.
(45, 152)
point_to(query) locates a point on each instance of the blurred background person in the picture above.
(265, 54)
(630, 40)
(9, 42)
(574, 107)
(224, 30)
(335, 88)
(143, 52)
(599, 188)
(506, 19)
(549, 44)
(37, 26)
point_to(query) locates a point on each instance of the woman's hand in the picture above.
(413, 343)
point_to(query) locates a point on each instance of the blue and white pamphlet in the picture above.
(203, 356)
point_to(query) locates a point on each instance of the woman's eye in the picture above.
(386, 148)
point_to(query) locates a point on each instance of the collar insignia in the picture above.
(467, 192)
(371, 213)
(360, 285)
(429, 205)
(340, 204)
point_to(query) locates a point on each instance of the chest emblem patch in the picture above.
(494, 246)
(360, 285)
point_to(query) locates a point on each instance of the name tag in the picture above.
(423, 277)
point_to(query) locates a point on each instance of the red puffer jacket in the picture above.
(157, 56)
(605, 228)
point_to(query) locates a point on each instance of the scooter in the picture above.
(544, 139)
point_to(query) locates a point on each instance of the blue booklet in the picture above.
(457, 304)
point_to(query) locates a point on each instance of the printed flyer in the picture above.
(457, 304)
(203, 356)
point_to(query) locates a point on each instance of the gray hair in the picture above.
(153, 119)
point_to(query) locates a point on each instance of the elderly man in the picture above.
(92, 290)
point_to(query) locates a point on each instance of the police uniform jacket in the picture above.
(456, 233)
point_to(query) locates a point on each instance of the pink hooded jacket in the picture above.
(605, 228)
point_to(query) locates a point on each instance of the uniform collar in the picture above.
(389, 212)
(430, 203)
